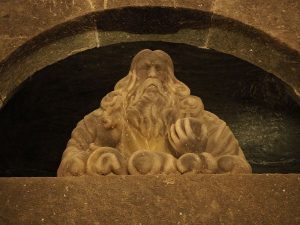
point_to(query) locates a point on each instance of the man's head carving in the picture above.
(150, 124)
(151, 78)
(149, 64)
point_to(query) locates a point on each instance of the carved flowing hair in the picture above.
(114, 103)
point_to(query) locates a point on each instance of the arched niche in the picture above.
(36, 123)
(203, 28)
(274, 88)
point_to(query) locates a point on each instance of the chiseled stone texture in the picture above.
(265, 33)
(201, 5)
(21, 20)
(276, 19)
(110, 4)
(208, 199)
(279, 19)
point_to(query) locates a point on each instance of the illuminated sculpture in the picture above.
(150, 124)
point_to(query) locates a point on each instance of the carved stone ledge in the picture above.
(206, 199)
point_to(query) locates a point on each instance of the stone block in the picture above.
(208, 199)
(22, 20)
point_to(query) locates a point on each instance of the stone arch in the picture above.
(204, 25)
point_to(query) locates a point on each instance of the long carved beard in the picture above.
(151, 111)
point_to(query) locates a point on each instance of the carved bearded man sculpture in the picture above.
(150, 124)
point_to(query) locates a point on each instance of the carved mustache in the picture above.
(141, 89)
(152, 81)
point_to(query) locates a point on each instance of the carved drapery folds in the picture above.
(151, 124)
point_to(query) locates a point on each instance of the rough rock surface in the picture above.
(208, 199)
(263, 33)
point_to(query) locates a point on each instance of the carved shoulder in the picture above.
(85, 131)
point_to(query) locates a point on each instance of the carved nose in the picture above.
(152, 72)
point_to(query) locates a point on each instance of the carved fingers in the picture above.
(188, 135)
(106, 161)
(151, 163)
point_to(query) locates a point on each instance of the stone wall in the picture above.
(35, 34)
(212, 199)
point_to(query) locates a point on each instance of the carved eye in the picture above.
(158, 67)
(147, 66)
(142, 70)
(144, 67)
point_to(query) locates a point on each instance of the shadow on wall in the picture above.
(36, 123)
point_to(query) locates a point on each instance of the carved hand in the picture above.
(188, 135)
(105, 161)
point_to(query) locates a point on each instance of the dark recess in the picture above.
(152, 20)
(36, 123)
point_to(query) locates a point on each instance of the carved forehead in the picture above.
(156, 56)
